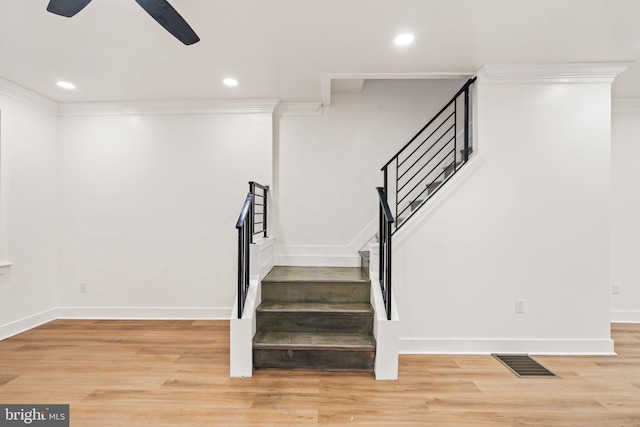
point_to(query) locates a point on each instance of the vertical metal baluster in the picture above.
(466, 124)
(381, 251)
(385, 187)
(381, 229)
(264, 214)
(252, 220)
(388, 277)
(246, 266)
(240, 265)
(455, 135)
(397, 195)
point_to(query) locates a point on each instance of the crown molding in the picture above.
(27, 96)
(299, 109)
(595, 72)
(231, 106)
(625, 105)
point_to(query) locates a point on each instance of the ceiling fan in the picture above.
(160, 10)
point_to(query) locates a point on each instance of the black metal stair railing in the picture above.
(419, 170)
(251, 222)
(430, 158)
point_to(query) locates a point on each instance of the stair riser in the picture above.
(332, 360)
(449, 170)
(433, 187)
(316, 292)
(313, 322)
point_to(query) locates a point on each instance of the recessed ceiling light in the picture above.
(230, 82)
(403, 39)
(66, 85)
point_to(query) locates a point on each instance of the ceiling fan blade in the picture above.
(170, 19)
(67, 8)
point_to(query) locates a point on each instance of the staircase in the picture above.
(320, 317)
(315, 318)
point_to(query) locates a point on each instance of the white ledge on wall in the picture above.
(4, 267)
(299, 109)
(595, 72)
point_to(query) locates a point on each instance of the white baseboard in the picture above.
(113, 313)
(488, 346)
(625, 316)
(326, 255)
(318, 261)
(30, 322)
(145, 313)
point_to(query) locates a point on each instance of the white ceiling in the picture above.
(113, 51)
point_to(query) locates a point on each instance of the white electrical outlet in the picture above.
(83, 288)
(519, 306)
(616, 289)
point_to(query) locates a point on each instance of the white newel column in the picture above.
(385, 331)
(242, 330)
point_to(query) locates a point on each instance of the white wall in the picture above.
(530, 221)
(148, 211)
(625, 215)
(28, 209)
(329, 166)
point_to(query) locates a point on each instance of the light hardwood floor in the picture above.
(176, 373)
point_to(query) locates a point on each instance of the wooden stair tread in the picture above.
(288, 274)
(326, 308)
(313, 341)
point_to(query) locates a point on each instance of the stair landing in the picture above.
(314, 274)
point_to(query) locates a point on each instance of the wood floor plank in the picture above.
(167, 373)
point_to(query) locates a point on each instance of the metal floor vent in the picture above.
(524, 366)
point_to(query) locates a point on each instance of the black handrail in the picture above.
(251, 215)
(245, 210)
(386, 219)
